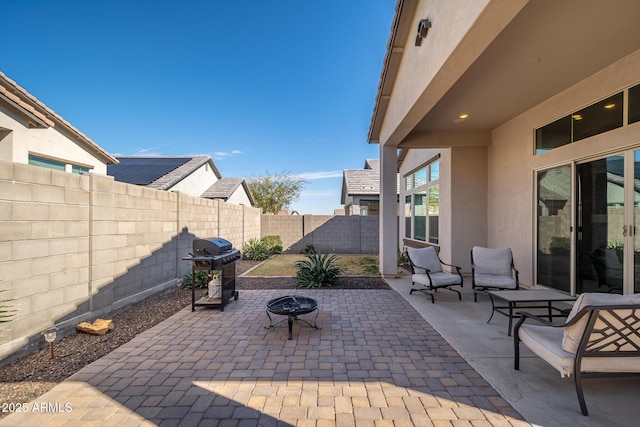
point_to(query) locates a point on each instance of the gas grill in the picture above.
(210, 255)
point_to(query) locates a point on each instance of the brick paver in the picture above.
(374, 362)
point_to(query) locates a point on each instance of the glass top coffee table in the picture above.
(528, 299)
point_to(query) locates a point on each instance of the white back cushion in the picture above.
(425, 258)
(492, 261)
(572, 334)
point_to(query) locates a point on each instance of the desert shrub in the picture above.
(255, 250)
(200, 279)
(274, 243)
(403, 259)
(309, 249)
(317, 270)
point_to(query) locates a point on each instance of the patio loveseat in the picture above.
(600, 337)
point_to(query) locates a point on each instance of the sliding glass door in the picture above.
(603, 255)
(634, 256)
(601, 225)
(553, 256)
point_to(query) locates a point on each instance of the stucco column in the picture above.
(388, 211)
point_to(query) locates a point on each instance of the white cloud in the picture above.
(152, 151)
(220, 155)
(319, 175)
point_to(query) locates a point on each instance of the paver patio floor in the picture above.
(374, 362)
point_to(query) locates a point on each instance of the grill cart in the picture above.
(216, 257)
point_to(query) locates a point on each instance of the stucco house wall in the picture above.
(239, 197)
(196, 183)
(27, 126)
(512, 164)
(463, 206)
(423, 68)
(469, 60)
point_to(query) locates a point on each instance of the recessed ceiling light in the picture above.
(610, 106)
(577, 117)
(463, 116)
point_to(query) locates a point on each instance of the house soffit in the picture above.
(548, 47)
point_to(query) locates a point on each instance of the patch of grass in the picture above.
(350, 265)
(369, 266)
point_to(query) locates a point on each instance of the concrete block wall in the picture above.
(76, 247)
(133, 242)
(327, 233)
(44, 247)
(288, 227)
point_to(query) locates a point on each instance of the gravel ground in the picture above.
(33, 375)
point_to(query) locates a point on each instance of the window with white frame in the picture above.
(422, 203)
(56, 164)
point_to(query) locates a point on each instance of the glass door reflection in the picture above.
(553, 267)
(636, 216)
(601, 226)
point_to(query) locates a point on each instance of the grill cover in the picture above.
(211, 246)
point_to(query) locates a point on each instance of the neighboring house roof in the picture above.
(225, 187)
(160, 173)
(41, 116)
(361, 181)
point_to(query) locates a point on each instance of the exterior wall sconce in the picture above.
(50, 337)
(423, 29)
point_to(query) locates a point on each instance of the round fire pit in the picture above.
(291, 306)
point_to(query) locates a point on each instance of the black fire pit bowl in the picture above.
(291, 306)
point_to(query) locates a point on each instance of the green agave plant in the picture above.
(317, 270)
(255, 250)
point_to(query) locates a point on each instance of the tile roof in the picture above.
(363, 181)
(225, 187)
(167, 181)
(158, 172)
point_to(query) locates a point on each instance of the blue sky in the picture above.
(260, 86)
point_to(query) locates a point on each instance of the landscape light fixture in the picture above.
(179, 282)
(423, 29)
(50, 337)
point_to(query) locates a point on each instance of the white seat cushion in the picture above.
(546, 342)
(489, 280)
(439, 279)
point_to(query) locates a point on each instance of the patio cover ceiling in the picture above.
(547, 47)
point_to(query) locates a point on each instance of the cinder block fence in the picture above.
(75, 247)
(327, 233)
